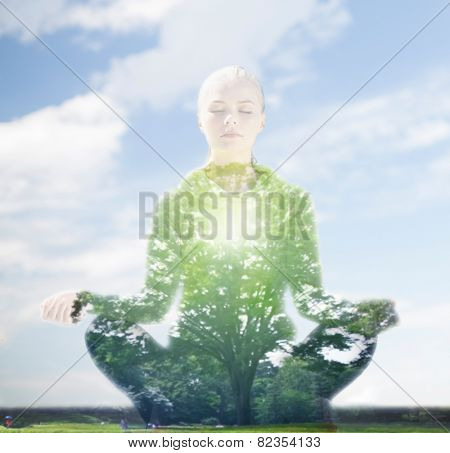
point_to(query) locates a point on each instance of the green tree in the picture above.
(196, 385)
(232, 307)
(289, 395)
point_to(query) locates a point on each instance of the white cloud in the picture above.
(397, 122)
(368, 142)
(55, 162)
(409, 364)
(112, 266)
(100, 262)
(50, 16)
(435, 180)
(322, 23)
(2, 336)
(108, 261)
(53, 156)
(433, 317)
(19, 308)
(199, 37)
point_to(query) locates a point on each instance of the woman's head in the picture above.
(231, 113)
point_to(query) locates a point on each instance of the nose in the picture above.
(230, 120)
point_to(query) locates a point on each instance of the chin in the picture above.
(232, 144)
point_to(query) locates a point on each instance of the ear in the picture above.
(199, 123)
(263, 121)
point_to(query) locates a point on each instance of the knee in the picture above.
(375, 316)
(89, 334)
(99, 327)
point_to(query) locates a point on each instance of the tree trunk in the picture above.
(243, 407)
(241, 386)
(222, 404)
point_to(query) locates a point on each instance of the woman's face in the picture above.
(230, 115)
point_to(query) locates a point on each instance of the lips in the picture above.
(231, 134)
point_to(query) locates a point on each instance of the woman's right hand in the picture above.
(59, 307)
(375, 316)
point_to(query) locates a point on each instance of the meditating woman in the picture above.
(235, 236)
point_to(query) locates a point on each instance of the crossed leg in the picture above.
(335, 358)
(133, 360)
(130, 358)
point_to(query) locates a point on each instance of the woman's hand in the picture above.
(375, 315)
(59, 307)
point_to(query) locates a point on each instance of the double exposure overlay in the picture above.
(235, 253)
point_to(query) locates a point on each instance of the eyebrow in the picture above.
(239, 102)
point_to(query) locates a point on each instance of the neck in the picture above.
(232, 176)
(219, 157)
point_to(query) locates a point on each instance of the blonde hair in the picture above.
(229, 73)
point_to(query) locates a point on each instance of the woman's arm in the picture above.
(163, 274)
(304, 278)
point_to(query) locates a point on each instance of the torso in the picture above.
(232, 177)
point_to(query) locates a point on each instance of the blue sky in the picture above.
(70, 171)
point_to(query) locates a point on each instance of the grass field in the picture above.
(106, 420)
(290, 428)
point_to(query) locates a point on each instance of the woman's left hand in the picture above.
(375, 315)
